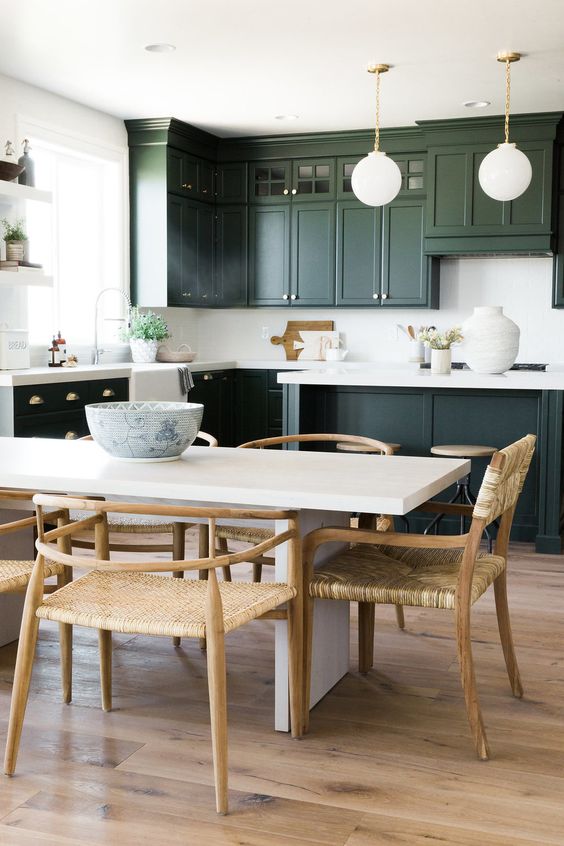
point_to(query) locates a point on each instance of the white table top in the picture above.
(263, 478)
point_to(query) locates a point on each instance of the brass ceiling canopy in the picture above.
(508, 56)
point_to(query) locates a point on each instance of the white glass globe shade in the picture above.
(505, 173)
(376, 179)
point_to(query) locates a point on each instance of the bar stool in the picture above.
(463, 493)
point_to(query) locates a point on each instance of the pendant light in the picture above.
(376, 179)
(506, 172)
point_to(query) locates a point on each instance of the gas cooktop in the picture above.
(519, 365)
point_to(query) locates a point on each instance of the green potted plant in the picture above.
(440, 344)
(15, 238)
(145, 332)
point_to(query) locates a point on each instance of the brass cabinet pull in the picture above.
(36, 400)
(72, 397)
(187, 185)
(186, 293)
(108, 392)
(204, 190)
(71, 436)
(208, 377)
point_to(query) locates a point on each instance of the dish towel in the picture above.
(186, 380)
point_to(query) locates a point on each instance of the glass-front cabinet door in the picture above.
(412, 169)
(313, 179)
(270, 182)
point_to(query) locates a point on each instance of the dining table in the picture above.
(324, 487)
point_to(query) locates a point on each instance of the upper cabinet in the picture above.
(190, 176)
(461, 218)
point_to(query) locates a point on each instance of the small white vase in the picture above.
(143, 352)
(441, 361)
(491, 340)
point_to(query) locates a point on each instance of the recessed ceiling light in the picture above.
(160, 48)
(476, 104)
(286, 117)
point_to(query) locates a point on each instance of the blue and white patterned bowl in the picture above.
(144, 431)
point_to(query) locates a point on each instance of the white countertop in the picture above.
(264, 478)
(411, 376)
(87, 372)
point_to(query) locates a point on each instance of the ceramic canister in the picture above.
(491, 340)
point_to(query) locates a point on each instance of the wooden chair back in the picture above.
(504, 479)
(96, 517)
(23, 522)
(320, 437)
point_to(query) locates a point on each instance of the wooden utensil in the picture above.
(411, 332)
(292, 333)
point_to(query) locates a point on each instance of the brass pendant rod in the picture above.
(377, 135)
(507, 97)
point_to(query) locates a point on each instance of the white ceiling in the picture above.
(238, 63)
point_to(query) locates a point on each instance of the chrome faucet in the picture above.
(97, 351)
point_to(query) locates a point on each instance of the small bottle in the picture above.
(55, 354)
(27, 177)
(62, 346)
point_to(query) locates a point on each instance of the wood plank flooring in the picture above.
(389, 758)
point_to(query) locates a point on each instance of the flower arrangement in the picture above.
(436, 340)
(14, 231)
(145, 326)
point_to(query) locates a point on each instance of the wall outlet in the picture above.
(265, 333)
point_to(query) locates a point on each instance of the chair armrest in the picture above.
(446, 507)
(340, 534)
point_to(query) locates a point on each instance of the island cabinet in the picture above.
(54, 409)
(215, 390)
(419, 417)
(460, 217)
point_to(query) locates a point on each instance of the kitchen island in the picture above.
(413, 407)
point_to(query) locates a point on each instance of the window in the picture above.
(80, 240)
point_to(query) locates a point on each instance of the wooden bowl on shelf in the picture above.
(10, 171)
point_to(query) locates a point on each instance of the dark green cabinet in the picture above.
(215, 390)
(190, 176)
(230, 263)
(258, 400)
(380, 260)
(292, 254)
(412, 167)
(231, 182)
(462, 218)
(269, 255)
(313, 179)
(558, 263)
(270, 182)
(190, 242)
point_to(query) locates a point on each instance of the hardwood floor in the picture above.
(389, 758)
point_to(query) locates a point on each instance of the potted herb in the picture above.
(15, 238)
(145, 332)
(440, 344)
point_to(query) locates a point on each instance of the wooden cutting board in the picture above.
(292, 333)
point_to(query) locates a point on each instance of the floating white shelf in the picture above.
(10, 191)
(21, 279)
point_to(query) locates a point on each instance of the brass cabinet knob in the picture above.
(375, 296)
(285, 192)
(384, 296)
(71, 436)
(72, 396)
(208, 377)
(36, 400)
(293, 296)
(108, 392)
(285, 296)
(294, 190)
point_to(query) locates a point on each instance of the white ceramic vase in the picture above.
(143, 352)
(441, 361)
(491, 340)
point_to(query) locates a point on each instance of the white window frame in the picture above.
(83, 145)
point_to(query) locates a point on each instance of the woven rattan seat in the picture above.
(155, 605)
(15, 575)
(128, 524)
(245, 534)
(400, 576)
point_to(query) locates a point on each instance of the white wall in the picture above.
(19, 99)
(521, 285)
